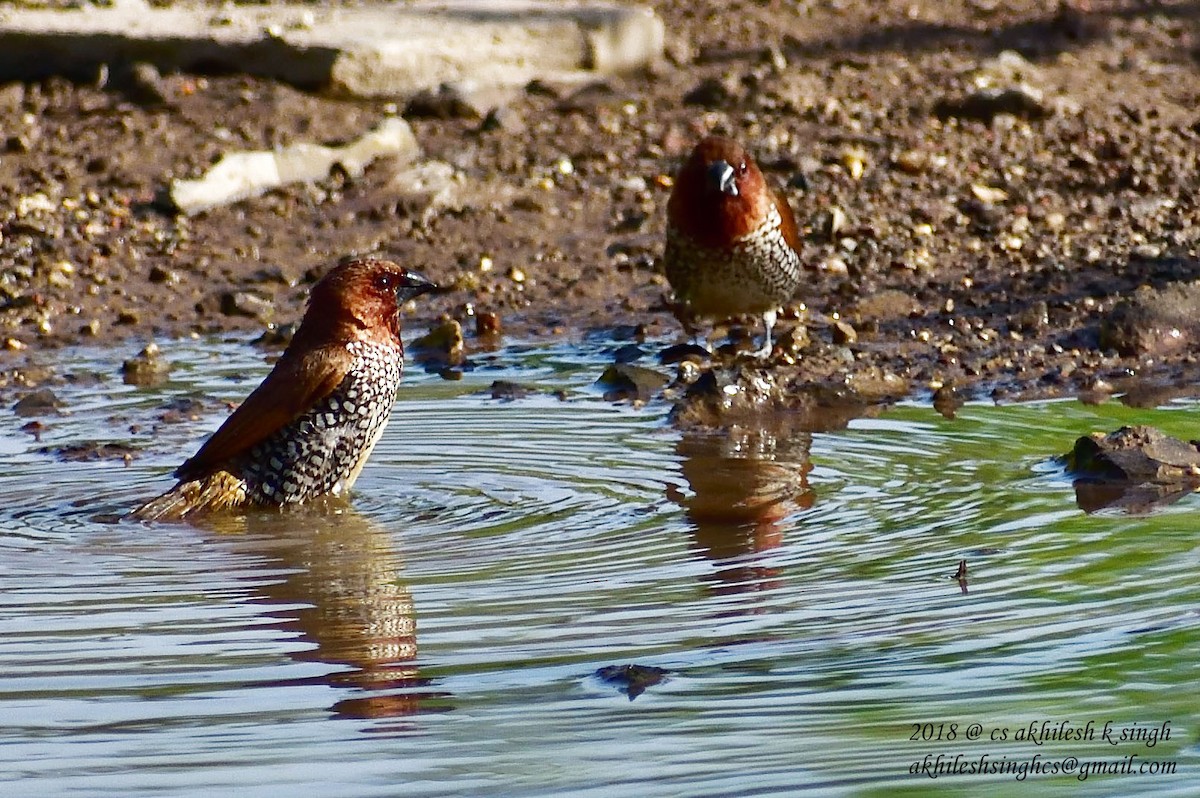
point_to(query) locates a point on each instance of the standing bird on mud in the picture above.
(732, 244)
(308, 429)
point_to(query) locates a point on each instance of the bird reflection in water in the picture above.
(743, 483)
(342, 593)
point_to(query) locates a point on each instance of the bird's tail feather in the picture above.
(219, 490)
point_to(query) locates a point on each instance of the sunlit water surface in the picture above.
(443, 634)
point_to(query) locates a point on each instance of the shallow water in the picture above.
(442, 634)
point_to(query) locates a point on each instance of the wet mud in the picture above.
(996, 200)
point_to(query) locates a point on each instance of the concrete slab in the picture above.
(389, 51)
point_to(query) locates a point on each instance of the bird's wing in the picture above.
(295, 384)
(791, 233)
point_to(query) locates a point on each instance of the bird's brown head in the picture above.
(721, 196)
(360, 299)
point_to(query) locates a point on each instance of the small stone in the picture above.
(143, 84)
(442, 344)
(12, 96)
(684, 353)
(988, 194)
(146, 368)
(912, 162)
(830, 222)
(843, 333)
(628, 353)
(244, 303)
(159, 275)
(90, 451)
(947, 401)
(987, 103)
(854, 160)
(627, 381)
(487, 324)
(39, 402)
(508, 391)
(445, 102)
(712, 93)
(632, 680)
(504, 119)
(1154, 321)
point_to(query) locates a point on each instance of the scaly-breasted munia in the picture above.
(732, 244)
(307, 430)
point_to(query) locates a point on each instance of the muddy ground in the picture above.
(983, 186)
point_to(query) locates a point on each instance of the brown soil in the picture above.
(948, 244)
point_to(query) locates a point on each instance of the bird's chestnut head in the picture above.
(720, 195)
(360, 299)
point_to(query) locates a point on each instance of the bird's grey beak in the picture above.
(413, 285)
(720, 177)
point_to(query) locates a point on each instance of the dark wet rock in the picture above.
(746, 392)
(146, 368)
(442, 344)
(1154, 321)
(276, 336)
(182, 410)
(508, 391)
(462, 100)
(445, 102)
(141, 83)
(1076, 21)
(713, 93)
(947, 400)
(679, 353)
(1034, 318)
(627, 381)
(39, 402)
(160, 274)
(90, 451)
(620, 332)
(874, 384)
(1135, 470)
(632, 680)
(1135, 454)
(987, 103)
(792, 341)
(628, 353)
(245, 303)
(502, 119)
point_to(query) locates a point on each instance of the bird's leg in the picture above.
(769, 318)
(691, 326)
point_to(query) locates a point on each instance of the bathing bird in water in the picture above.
(309, 428)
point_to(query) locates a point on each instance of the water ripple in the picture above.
(443, 635)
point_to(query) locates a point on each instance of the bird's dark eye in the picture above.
(384, 282)
(741, 168)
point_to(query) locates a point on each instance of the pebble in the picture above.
(38, 402)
